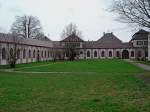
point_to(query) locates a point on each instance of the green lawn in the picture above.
(91, 86)
(99, 66)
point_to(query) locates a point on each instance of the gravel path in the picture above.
(140, 65)
(143, 66)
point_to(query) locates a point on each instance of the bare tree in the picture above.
(42, 36)
(12, 51)
(69, 30)
(26, 26)
(71, 51)
(56, 54)
(133, 11)
(71, 45)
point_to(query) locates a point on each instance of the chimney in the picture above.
(103, 33)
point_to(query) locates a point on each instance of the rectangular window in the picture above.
(145, 42)
(72, 44)
(139, 42)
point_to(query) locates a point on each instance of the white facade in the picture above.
(36, 50)
(37, 53)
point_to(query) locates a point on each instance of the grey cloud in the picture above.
(2, 30)
(0, 5)
(15, 9)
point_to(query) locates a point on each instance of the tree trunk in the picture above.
(13, 65)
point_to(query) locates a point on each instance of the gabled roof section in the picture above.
(140, 35)
(45, 38)
(73, 38)
(109, 38)
(57, 44)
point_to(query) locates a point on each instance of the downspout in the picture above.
(149, 47)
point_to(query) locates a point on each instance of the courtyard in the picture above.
(78, 86)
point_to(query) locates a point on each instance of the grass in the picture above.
(100, 66)
(112, 87)
(25, 65)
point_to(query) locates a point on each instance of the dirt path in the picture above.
(18, 70)
(12, 71)
(35, 66)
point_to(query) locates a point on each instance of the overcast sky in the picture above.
(90, 16)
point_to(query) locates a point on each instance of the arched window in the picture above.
(88, 54)
(103, 54)
(81, 52)
(18, 53)
(11, 52)
(118, 54)
(132, 53)
(29, 53)
(38, 55)
(3, 53)
(24, 54)
(110, 53)
(125, 54)
(146, 53)
(34, 54)
(139, 54)
(95, 53)
(48, 54)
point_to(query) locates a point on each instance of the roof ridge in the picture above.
(73, 37)
(107, 36)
